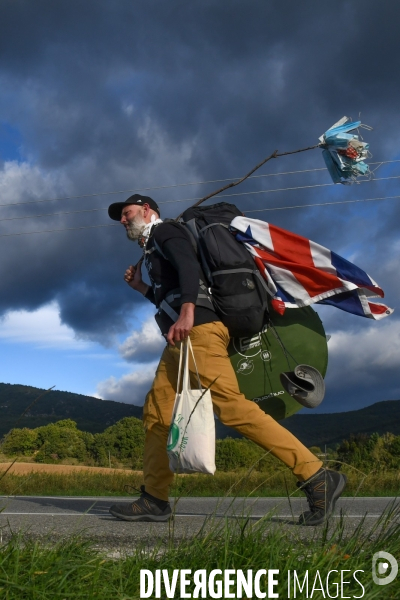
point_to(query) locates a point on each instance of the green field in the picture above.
(276, 482)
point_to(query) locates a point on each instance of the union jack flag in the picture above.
(300, 272)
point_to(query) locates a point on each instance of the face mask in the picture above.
(344, 153)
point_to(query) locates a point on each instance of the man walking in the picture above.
(175, 273)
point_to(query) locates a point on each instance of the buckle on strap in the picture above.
(171, 297)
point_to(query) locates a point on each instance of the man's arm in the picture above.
(180, 330)
(133, 277)
(180, 253)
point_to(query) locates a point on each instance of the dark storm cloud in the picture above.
(107, 96)
(236, 76)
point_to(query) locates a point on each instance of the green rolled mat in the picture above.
(296, 337)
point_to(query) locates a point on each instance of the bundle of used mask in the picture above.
(344, 153)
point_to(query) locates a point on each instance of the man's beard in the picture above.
(135, 228)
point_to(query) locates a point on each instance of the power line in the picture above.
(321, 204)
(70, 212)
(52, 230)
(162, 187)
(247, 211)
(302, 187)
(299, 187)
(274, 154)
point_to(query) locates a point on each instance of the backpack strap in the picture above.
(193, 233)
(171, 301)
(169, 311)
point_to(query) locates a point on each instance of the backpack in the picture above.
(238, 291)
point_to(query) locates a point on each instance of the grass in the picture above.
(75, 569)
(278, 483)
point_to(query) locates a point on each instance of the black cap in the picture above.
(115, 210)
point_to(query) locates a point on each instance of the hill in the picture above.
(90, 414)
(329, 429)
(94, 415)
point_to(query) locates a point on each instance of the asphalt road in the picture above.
(52, 518)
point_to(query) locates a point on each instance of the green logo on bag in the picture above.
(173, 436)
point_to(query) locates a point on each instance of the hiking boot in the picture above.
(322, 491)
(145, 508)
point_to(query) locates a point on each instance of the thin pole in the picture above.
(275, 154)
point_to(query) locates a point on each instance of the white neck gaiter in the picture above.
(142, 241)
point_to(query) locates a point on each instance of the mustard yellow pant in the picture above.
(210, 342)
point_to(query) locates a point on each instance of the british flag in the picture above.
(300, 272)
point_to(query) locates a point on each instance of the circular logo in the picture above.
(265, 355)
(245, 366)
(173, 436)
(380, 570)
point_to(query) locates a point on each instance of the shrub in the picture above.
(371, 452)
(20, 441)
(123, 440)
(62, 439)
(394, 447)
(233, 454)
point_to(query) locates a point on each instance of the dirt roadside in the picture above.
(20, 468)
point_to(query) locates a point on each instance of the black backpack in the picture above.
(238, 290)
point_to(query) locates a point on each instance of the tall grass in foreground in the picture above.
(278, 483)
(75, 569)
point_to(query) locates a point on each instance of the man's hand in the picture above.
(180, 330)
(133, 277)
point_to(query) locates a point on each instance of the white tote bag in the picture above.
(191, 439)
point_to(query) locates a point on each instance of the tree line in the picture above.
(122, 443)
